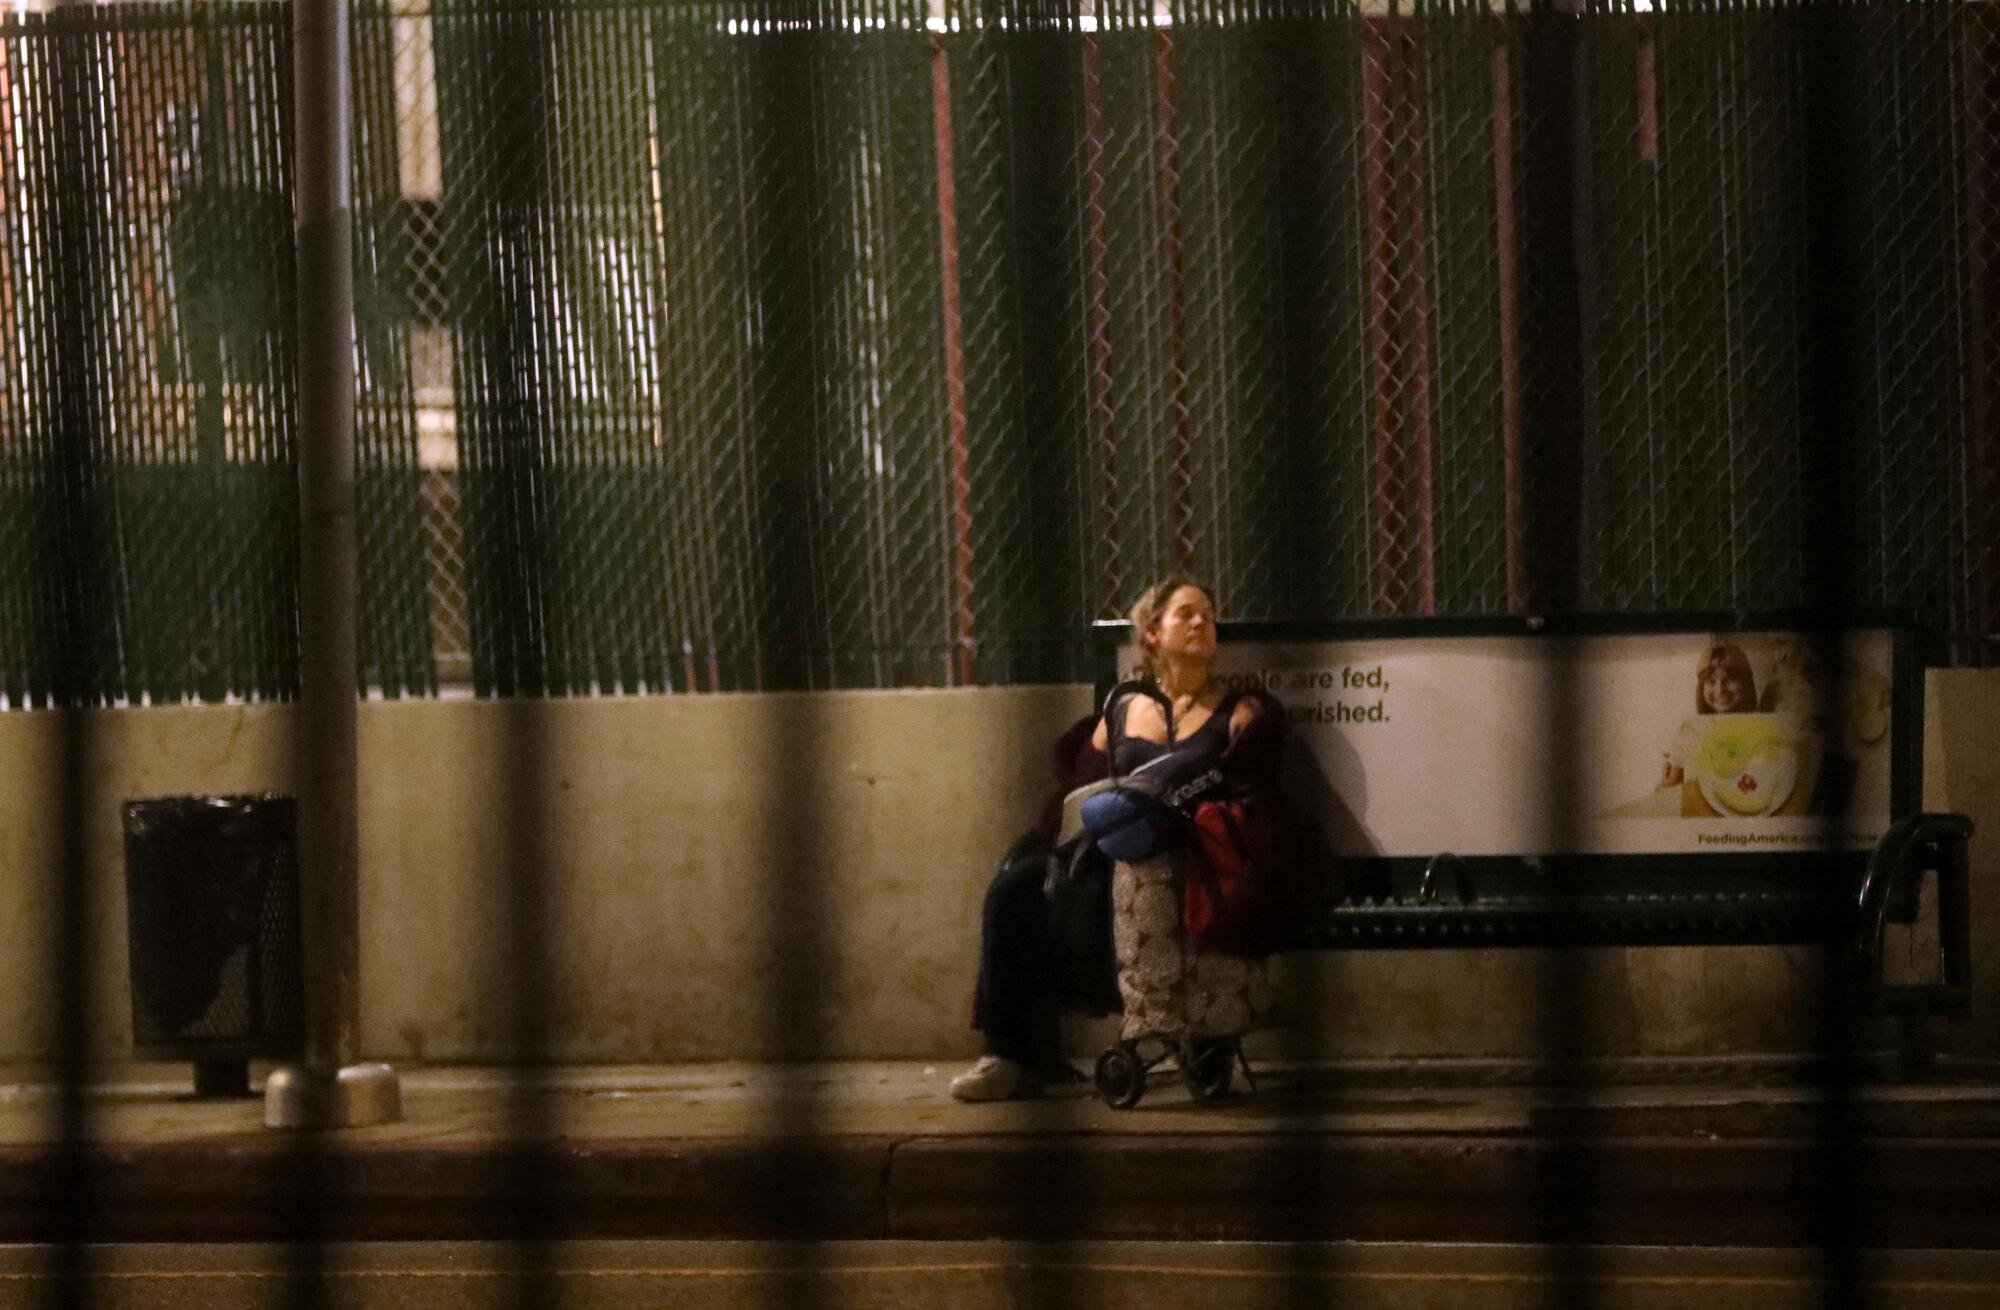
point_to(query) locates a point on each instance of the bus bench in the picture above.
(1695, 780)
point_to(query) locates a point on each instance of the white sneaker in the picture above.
(993, 1079)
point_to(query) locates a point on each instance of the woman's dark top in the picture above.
(1130, 753)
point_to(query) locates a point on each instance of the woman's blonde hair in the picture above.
(1151, 605)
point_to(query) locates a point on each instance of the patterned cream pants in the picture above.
(1170, 985)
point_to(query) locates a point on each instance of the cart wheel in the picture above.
(1121, 1078)
(1206, 1066)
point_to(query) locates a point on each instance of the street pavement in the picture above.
(893, 1275)
(1745, 1154)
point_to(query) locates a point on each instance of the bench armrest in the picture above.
(1913, 847)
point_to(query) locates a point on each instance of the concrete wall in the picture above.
(702, 850)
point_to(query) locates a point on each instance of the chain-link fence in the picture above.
(1703, 449)
(718, 345)
(148, 362)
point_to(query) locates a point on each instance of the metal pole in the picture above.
(328, 1090)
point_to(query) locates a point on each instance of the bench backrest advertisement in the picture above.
(1612, 743)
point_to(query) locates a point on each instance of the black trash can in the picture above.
(212, 920)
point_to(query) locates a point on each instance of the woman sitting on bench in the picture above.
(1014, 1004)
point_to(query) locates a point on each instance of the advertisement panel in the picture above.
(1624, 743)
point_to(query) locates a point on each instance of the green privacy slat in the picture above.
(179, 379)
(170, 263)
(1019, 209)
(396, 655)
(1699, 336)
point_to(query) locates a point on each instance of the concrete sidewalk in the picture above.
(1719, 1153)
(890, 1275)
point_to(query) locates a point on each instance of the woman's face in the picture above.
(1723, 690)
(1187, 626)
